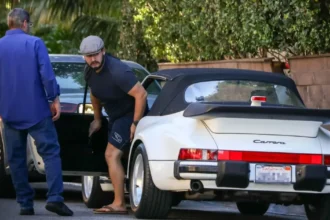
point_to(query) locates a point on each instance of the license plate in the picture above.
(273, 174)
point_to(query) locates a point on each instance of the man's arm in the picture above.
(46, 71)
(128, 82)
(97, 107)
(140, 95)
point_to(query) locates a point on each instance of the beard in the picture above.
(99, 66)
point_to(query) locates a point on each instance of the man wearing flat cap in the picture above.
(114, 86)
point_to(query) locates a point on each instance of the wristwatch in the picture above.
(136, 122)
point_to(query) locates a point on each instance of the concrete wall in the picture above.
(254, 64)
(312, 76)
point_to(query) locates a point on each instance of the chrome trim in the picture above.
(196, 163)
(198, 176)
(138, 180)
(82, 173)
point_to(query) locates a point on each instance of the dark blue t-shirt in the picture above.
(111, 86)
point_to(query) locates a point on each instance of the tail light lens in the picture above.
(252, 156)
(326, 159)
(270, 157)
(69, 107)
(197, 154)
(259, 98)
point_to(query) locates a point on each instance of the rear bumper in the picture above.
(241, 175)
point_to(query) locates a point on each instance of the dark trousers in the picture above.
(45, 136)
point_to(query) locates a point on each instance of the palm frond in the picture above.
(66, 10)
(107, 29)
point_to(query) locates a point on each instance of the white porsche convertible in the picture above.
(219, 134)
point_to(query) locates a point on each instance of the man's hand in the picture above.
(133, 128)
(55, 108)
(94, 126)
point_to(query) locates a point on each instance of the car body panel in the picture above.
(263, 126)
(268, 143)
(192, 134)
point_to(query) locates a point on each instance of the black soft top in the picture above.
(171, 99)
(214, 73)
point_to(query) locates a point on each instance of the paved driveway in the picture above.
(199, 210)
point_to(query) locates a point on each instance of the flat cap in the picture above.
(91, 45)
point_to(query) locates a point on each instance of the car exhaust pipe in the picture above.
(196, 186)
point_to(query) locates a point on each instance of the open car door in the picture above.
(81, 155)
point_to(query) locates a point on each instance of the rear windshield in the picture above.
(70, 77)
(240, 92)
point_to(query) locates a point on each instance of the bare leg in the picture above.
(117, 175)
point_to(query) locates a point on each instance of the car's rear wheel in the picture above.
(146, 200)
(6, 185)
(319, 210)
(252, 208)
(92, 193)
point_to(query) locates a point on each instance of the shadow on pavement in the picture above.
(208, 215)
(73, 195)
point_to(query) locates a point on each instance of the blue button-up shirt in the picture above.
(27, 80)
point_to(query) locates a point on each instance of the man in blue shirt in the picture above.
(115, 87)
(27, 84)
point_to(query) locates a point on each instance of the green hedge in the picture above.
(183, 30)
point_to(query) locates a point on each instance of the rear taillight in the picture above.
(259, 98)
(197, 154)
(252, 156)
(69, 107)
(326, 159)
(270, 157)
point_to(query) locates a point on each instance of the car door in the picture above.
(80, 153)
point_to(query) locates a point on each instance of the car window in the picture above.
(153, 89)
(240, 91)
(70, 77)
(140, 74)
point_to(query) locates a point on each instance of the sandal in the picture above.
(109, 210)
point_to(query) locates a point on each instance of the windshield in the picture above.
(70, 77)
(240, 92)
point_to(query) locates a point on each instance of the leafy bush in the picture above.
(217, 29)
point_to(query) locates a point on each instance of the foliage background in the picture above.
(151, 31)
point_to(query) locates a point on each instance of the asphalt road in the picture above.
(197, 210)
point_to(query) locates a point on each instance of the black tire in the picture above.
(252, 208)
(7, 188)
(154, 203)
(319, 210)
(97, 197)
(312, 212)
